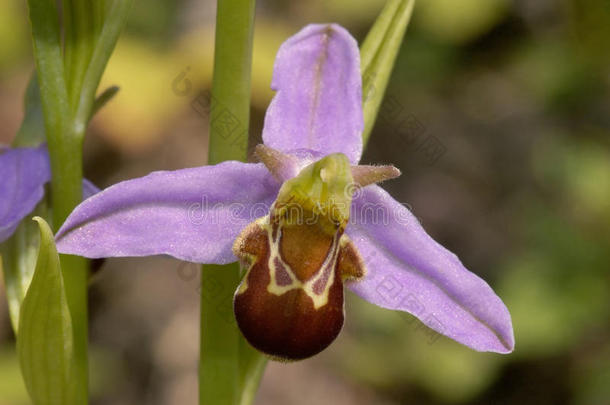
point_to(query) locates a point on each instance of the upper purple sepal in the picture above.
(23, 174)
(318, 105)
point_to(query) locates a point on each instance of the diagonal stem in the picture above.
(378, 54)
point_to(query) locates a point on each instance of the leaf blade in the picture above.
(44, 339)
(378, 54)
(32, 131)
(18, 260)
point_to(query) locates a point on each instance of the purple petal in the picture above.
(23, 174)
(89, 189)
(192, 214)
(318, 104)
(409, 271)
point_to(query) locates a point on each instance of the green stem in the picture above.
(65, 152)
(229, 369)
(67, 91)
(219, 353)
(231, 82)
(66, 165)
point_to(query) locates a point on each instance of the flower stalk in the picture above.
(230, 369)
(68, 78)
(66, 165)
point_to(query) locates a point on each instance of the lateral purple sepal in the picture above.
(192, 214)
(409, 271)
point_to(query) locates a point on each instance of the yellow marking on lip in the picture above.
(243, 286)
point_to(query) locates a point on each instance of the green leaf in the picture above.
(114, 21)
(44, 340)
(31, 132)
(18, 254)
(49, 65)
(103, 98)
(377, 55)
(79, 38)
(64, 149)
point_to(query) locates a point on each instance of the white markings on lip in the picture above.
(279, 269)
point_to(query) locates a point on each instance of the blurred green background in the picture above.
(498, 115)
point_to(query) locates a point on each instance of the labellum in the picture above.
(290, 303)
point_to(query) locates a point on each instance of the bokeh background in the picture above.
(498, 115)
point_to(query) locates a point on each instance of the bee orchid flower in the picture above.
(305, 222)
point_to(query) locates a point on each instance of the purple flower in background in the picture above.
(23, 175)
(304, 222)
